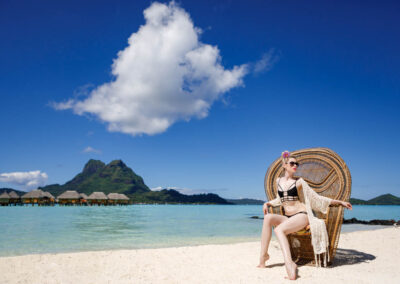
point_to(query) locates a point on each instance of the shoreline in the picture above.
(346, 229)
(362, 257)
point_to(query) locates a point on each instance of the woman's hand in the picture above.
(346, 205)
(265, 208)
(342, 203)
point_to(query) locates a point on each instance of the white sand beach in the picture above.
(362, 257)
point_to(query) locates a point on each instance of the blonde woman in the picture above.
(297, 215)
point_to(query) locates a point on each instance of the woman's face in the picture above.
(291, 166)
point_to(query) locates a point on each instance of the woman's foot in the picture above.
(291, 270)
(263, 259)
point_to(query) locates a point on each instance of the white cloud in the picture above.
(266, 62)
(188, 191)
(164, 75)
(28, 180)
(89, 149)
(158, 188)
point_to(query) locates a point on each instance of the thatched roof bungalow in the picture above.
(123, 196)
(83, 199)
(69, 197)
(38, 196)
(4, 198)
(13, 195)
(83, 196)
(34, 196)
(14, 198)
(117, 198)
(97, 198)
(124, 199)
(48, 195)
(113, 196)
(48, 198)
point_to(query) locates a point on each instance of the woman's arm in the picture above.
(317, 196)
(342, 203)
(273, 203)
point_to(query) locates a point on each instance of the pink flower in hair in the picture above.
(286, 154)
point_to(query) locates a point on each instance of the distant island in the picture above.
(385, 199)
(117, 177)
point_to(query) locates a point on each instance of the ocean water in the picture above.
(33, 229)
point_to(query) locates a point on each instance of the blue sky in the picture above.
(329, 79)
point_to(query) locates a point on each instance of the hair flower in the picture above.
(286, 154)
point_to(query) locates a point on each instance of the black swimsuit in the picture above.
(289, 195)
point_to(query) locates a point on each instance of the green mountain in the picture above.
(117, 177)
(357, 201)
(385, 199)
(97, 176)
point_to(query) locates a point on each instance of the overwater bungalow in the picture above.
(32, 197)
(117, 198)
(48, 198)
(4, 198)
(39, 197)
(69, 197)
(84, 198)
(124, 199)
(14, 198)
(98, 198)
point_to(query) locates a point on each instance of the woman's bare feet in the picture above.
(263, 259)
(291, 270)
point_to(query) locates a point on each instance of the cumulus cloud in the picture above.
(89, 149)
(164, 75)
(28, 180)
(189, 191)
(267, 61)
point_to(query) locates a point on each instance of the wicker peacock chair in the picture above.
(329, 176)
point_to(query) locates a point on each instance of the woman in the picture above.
(297, 214)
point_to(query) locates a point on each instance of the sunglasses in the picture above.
(294, 163)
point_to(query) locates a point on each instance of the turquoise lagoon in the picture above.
(33, 229)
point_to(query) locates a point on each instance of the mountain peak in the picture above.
(117, 163)
(93, 166)
(115, 177)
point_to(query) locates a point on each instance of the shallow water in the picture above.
(33, 229)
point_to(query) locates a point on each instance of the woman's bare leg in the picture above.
(269, 221)
(289, 226)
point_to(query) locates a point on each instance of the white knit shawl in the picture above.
(319, 235)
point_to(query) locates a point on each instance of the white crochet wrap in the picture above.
(319, 235)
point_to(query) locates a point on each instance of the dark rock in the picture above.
(372, 222)
(382, 222)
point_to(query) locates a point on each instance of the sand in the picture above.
(363, 257)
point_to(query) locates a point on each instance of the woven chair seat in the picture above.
(328, 175)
